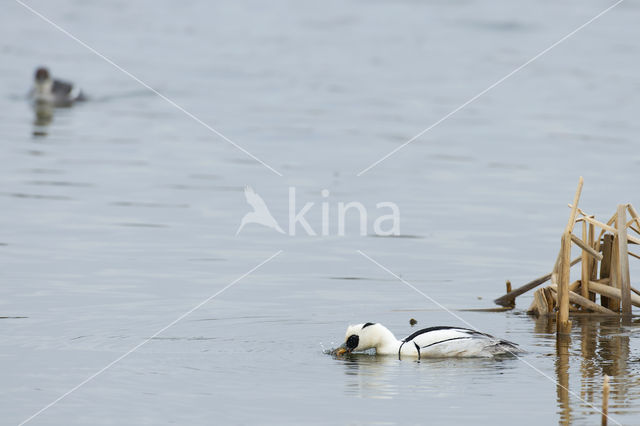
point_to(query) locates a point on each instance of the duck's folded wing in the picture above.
(456, 341)
(435, 335)
(61, 88)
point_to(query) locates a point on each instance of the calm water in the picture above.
(120, 214)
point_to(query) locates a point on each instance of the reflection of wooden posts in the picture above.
(605, 400)
(605, 265)
(544, 325)
(623, 259)
(588, 344)
(562, 372)
(623, 388)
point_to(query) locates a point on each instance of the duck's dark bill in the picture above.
(342, 349)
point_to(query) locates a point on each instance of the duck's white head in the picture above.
(361, 337)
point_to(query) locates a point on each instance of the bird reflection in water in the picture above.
(384, 377)
(43, 117)
(48, 93)
(368, 374)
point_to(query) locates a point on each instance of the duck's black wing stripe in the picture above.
(61, 87)
(446, 340)
(508, 343)
(443, 327)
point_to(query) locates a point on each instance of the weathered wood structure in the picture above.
(604, 269)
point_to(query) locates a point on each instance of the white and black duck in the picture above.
(433, 342)
(57, 93)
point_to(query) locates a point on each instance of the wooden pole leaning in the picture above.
(564, 275)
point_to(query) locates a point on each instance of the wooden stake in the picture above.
(586, 263)
(541, 302)
(551, 303)
(623, 256)
(605, 265)
(564, 325)
(605, 400)
(593, 271)
(614, 304)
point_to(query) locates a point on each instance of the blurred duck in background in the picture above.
(49, 93)
(57, 93)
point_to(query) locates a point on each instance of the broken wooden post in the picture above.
(540, 300)
(605, 265)
(606, 253)
(564, 325)
(512, 304)
(593, 272)
(623, 255)
(614, 281)
(586, 264)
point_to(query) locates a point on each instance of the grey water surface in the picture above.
(119, 215)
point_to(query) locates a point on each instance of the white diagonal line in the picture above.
(416, 289)
(384, 268)
(497, 83)
(144, 342)
(170, 101)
